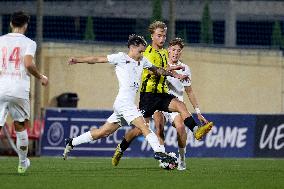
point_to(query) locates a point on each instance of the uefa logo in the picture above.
(55, 134)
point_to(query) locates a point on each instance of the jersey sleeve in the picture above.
(187, 83)
(114, 58)
(148, 55)
(31, 49)
(147, 63)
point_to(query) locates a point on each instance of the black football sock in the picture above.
(190, 123)
(124, 144)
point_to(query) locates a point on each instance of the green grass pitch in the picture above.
(136, 173)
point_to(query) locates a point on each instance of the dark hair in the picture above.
(19, 19)
(157, 24)
(177, 41)
(136, 40)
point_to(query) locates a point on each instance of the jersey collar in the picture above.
(15, 34)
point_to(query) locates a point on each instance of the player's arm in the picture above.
(32, 69)
(88, 60)
(193, 100)
(160, 71)
(171, 68)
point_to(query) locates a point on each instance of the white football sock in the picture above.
(182, 152)
(22, 141)
(83, 138)
(163, 148)
(154, 142)
(195, 128)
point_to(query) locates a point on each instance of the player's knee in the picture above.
(24, 148)
(19, 126)
(180, 128)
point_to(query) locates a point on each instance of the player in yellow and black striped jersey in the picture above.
(154, 92)
(153, 83)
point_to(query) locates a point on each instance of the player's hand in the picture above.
(44, 80)
(170, 68)
(202, 119)
(179, 76)
(72, 61)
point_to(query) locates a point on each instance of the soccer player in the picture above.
(177, 88)
(154, 93)
(128, 69)
(16, 66)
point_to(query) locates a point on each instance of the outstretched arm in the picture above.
(160, 71)
(88, 59)
(193, 100)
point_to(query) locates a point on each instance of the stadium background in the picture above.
(235, 51)
(237, 64)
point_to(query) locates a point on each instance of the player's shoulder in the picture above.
(164, 51)
(183, 65)
(29, 40)
(2, 37)
(118, 58)
(149, 49)
(122, 54)
(145, 60)
(118, 55)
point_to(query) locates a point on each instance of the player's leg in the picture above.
(20, 113)
(22, 143)
(152, 139)
(108, 128)
(159, 122)
(178, 106)
(126, 141)
(181, 137)
(134, 117)
(3, 111)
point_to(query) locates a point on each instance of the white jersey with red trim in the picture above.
(14, 78)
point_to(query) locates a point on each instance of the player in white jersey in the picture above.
(128, 69)
(177, 88)
(16, 66)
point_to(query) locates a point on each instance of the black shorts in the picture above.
(151, 102)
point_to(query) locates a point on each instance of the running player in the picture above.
(154, 93)
(16, 65)
(177, 88)
(128, 69)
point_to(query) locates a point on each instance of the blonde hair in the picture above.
(157, 24)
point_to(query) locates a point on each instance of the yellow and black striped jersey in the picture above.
(153, 83)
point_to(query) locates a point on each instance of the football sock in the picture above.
(190, 123)
(22, 146)
(154, 142)
(124, 145)
(83, 138)
(163, 148)
(182, 152)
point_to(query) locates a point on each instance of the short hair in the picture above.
(19, 19)
(157, 24)
(177, 41)
(136, 40)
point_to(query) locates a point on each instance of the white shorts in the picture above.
(127, 111)
(18, 108)
(170, 117)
